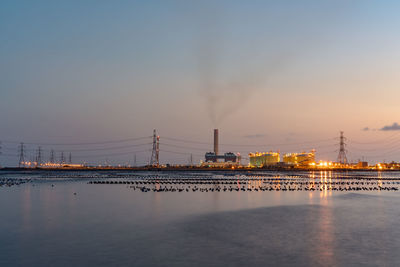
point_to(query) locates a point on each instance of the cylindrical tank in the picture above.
(216, 141)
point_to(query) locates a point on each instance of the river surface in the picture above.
(61, 219)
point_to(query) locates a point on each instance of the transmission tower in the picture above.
(0, 151)
(154, 160)
(52, 156)
(158, 151)
(191, 160)
(21, 155)
(342, 158)
(70, 158)
(134, 161)
(62, 160)
(39, 156)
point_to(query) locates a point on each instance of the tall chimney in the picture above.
(216, 141)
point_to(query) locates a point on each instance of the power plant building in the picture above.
(227, 157)
(261, 159)
(301, 159)
(213, 159)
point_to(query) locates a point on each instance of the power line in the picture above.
(388, 153)
(186, 141)
(390, 145)
(367, 150)
(390, 138)
(184, 147)
(204, 149)
(114, 154)
(53, 152)
(84, 143)
(393, 149)
(181, 153)
(250, 145)
(283, 144)
(106, 148)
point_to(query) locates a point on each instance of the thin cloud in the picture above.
(394, 127)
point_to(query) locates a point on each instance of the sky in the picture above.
(88, 77)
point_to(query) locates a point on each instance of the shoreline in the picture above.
(192, 169)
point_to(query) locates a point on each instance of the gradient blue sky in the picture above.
(263, 72)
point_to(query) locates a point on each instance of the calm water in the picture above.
(64, 221)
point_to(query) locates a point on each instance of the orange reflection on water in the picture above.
(325, 239)
(380, 179)
(277, 182)
(156, 203)
(312, 184)
(157, 185)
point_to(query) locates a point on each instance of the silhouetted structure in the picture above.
(39, 156)
(216, 141)
(52, 160)
(214, 156)
(154, 160)
(342, 158)
(21, 155)
(62, 160)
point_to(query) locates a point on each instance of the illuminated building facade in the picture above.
(261, 159)
(301, 159)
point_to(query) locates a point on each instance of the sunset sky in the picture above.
(271, 75)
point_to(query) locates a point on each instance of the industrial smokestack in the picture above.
(216, 141)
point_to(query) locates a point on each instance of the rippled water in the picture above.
(59, 219)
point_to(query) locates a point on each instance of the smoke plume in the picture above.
(228, 78)
(225, 91)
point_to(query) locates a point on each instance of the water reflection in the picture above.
(324, 253)
(26, 208)
(156, 202)
(380, 179)
(187, 228)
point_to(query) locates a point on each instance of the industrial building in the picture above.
(299, 159)
(214, 159)
(227, 157)
(261, 159)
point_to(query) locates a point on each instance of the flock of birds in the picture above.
(161, 184)
(11, 182)
(227, 183)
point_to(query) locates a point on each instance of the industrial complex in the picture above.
(263, 159)
(257, 159)
(293, 160)
(215, 159)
